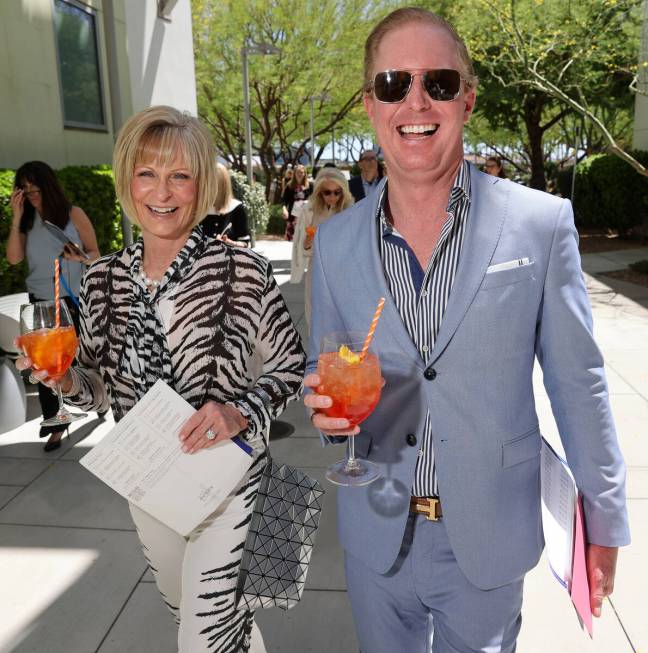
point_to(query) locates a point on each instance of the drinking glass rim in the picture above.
(47, 304)
(354, 340)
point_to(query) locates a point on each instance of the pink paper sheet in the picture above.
(580, 585)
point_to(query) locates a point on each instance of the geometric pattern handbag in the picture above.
(280, 539)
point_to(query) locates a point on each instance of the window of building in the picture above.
(78, 61)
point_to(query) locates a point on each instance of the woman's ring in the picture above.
(211, 434)
(33, 380)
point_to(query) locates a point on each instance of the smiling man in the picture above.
(481, 276)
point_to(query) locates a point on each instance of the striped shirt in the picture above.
(421, 295)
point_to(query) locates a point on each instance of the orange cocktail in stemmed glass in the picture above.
(353, 382)
(51, 344)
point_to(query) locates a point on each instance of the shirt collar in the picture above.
(183, 262)
(460, 190)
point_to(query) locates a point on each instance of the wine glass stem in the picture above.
(351, 459)
(59, 394)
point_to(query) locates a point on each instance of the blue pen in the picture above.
(243, 444)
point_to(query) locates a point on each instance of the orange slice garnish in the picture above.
(348, 356)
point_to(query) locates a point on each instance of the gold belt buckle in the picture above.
(429, 509)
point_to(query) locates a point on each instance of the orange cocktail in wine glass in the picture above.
(50, 341)
(353, 382)
(52, 350)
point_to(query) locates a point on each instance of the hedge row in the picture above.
(253, 198)
(608, 193)
(92, 188)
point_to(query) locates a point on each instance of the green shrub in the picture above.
(608, 193)
(92, 188)
(253, 199)
(12, 277)
(276, 223)
(641, 267)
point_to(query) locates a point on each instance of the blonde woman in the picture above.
(227, 219)
(210, 321)
(331, 195)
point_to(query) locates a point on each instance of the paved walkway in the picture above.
(73, 578)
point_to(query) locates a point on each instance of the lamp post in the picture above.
(247, 49)
(573, 180)
(322, 97)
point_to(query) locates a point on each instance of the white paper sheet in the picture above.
(558, 511)
(141, 459)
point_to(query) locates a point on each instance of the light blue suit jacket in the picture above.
(485, 426)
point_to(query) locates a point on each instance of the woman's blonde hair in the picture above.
(156, 134)
(293, 182)
(405, 16)
(337, 177)
(224, 194)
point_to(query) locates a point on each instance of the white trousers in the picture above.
(197, 575)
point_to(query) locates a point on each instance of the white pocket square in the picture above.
(508, 265)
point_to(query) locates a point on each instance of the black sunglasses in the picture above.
(29, 193)
(392, 86)
(337, 192)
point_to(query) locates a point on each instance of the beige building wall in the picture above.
(160, 55)
(31, 115)
(154, 64)
(640, 132)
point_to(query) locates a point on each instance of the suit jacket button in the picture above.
(430, 374)
(411, 439)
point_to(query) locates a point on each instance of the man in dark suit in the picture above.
(368, 178)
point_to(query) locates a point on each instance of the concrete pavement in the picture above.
(72, 577)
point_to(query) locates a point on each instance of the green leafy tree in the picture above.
(321, 52)
(552, 65)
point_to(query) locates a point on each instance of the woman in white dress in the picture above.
(331, 195)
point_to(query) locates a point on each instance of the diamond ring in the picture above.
(211, 434)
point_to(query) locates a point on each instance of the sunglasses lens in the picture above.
(392, 85)
(442, 85)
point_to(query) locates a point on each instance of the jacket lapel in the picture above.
(372, 273)
(488, 210)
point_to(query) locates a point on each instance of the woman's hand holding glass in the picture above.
(50, 343)
(25, 363)
(211, 424)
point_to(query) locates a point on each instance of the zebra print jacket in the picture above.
(230, 339)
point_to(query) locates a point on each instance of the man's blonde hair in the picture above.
(406, 16)
(156, 135)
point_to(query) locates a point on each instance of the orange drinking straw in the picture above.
(57, 290)
(372, 328)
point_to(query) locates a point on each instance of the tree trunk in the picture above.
(533, 106)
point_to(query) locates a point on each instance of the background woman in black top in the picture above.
(298, 190)
(227, 219)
